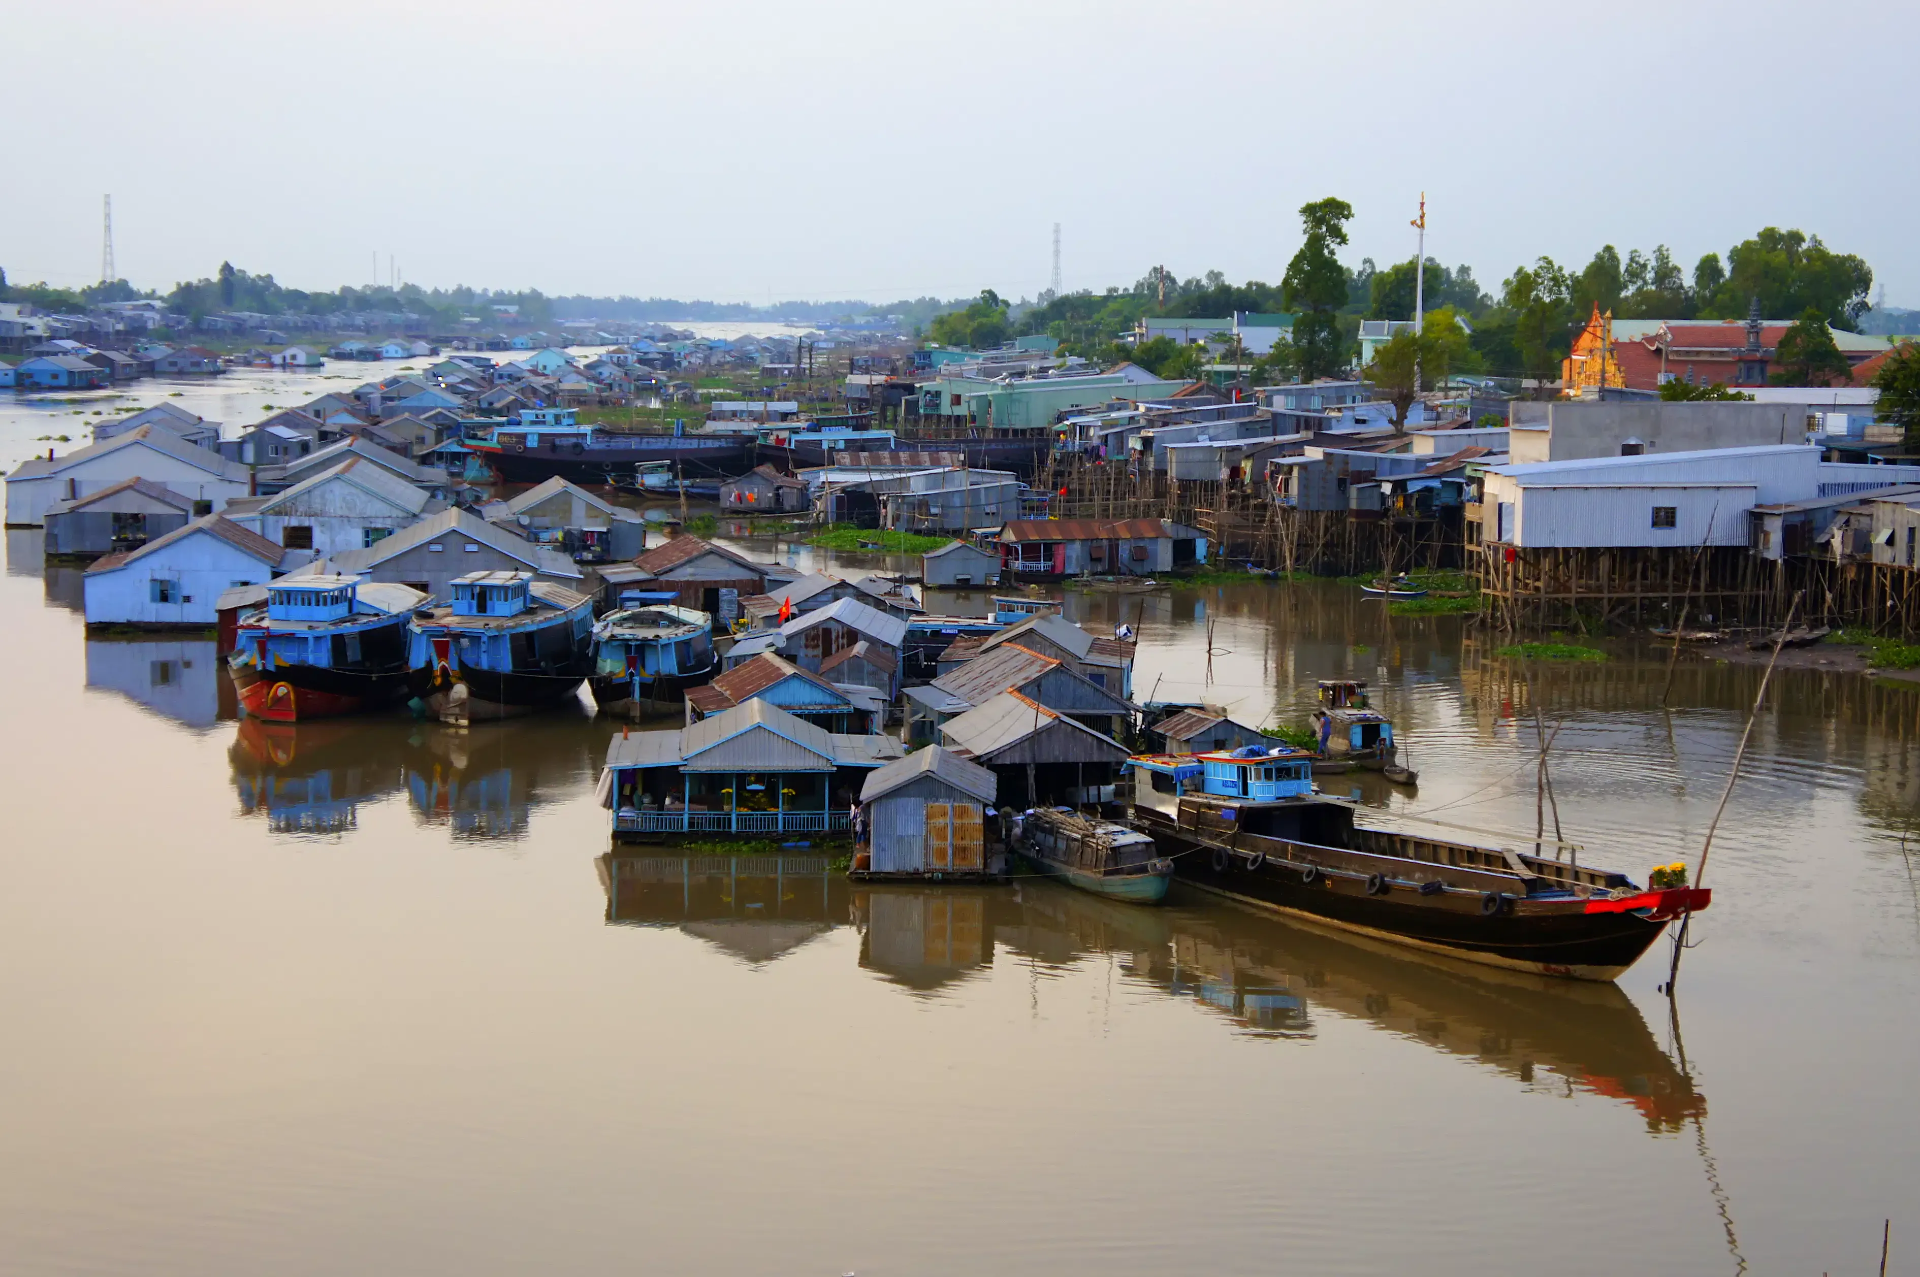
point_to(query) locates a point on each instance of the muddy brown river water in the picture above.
(370, 996)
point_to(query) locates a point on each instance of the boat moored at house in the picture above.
(1248, 825)
(1351, 732)
(1092, 854)
(506, 644)
(322, 646)
(534, 447)
(647, 654)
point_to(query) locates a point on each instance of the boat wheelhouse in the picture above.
(323, 645)
(648, 653)
(1092, 854)
(1013, 609)
(505, 645)
(1247, 825)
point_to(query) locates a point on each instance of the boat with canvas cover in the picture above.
(1094, 855)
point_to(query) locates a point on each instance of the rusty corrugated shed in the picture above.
(1085, 530)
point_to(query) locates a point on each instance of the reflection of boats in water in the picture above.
(310, 778)
(484, 782)
(1276, 979)
(182, 679)
(756, 908)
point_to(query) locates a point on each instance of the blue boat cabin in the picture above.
(1250, 773)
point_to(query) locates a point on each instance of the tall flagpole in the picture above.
(1419, 283)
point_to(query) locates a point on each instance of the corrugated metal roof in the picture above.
(1085, 530)
(1188, 723)
(749, 678)
(951, 546)
(1048, 625)
(760, 736)
(994, 672)
(644, 749)
(156, 437)
(940, 702)
(968, 778)
(232, 533)
(889, 630)
(145, 487)
(1010, 718)
(872, 653)
(457, 522)
(389, 597)
(384, 484)
(684, 549)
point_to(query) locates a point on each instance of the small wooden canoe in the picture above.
(1380, 591)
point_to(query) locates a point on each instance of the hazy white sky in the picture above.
(748, 151)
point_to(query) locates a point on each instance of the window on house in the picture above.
(202, 508)
(1666, 516)
(370, 536)
(161, 590)
(160, 673)
(1633, 448)
(297, 536)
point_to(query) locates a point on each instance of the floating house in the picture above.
(1040, 755)
(175, 420)
(764, 490)
(812, 638)
(753, 769)
(178, 578)
(586, 528)
(1122, 547)
(148, 452)
(848, 710)
(115, 519)
(1012, 667)
(1106, 663)
(700, 575)
(1205, 730)
(60, 372)
(351, 506)
(925, 815)
(865, 664)
(957, 565)
(431, 554)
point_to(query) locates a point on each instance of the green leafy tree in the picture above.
(982, 324)
(1789, 271)
(1708, 275)
(1391, 292)
(1808, 355)
(1677, 391)
(1447, 348)
(1602, 283)
(1394, 373)
(1315, 288)
(1898, 381)
(1539, 300)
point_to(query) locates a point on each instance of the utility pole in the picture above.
(107, 274)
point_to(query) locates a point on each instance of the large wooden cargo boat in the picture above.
(1093, 855)
(506, 645)
(323, 645)
(540, 444)
(1247, 825)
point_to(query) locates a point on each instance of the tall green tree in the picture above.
(1539, 299)
(1601, 284)
(1315, 288)
(1898, 381)
(1808, 355)
(1790, 271)
(980, 325)
(1393, 372)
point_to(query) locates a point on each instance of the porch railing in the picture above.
(740, 822)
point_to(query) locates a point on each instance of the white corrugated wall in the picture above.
(898, 835)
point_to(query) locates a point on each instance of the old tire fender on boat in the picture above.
(1492, 902)
(1376, 884)
(1221, 860)
(1310, 875)
(1255, 859)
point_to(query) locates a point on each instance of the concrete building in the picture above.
(353, 506)
(1573, 431)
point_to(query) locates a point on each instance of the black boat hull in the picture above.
(1561, 939)
(296, 693)
(614, 694)
(474, 694)
(692, 456)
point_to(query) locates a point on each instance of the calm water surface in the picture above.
(372, 996)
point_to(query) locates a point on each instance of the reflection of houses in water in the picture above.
(926, 937)
(484, 782)
(181, 678)
(310, 778)
(756, 908)
(1276, 979)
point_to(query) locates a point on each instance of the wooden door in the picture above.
(968, 844)
(939, 837)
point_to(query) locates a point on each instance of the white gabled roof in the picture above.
(458, 523)
(889, 630)
(371, 479)
(150, 435)
(968, 778)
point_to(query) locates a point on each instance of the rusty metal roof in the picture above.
(873, 654)
(1084, 530)
(684, 549)
(1188, 723)
(749, 678)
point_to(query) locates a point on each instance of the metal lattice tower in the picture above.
(1056, 259)
(107, 275)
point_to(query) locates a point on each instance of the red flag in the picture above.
(786, 610)
(1063, 492)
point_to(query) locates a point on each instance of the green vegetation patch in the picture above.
(1435, 605)
(1882, 653)
(1552, 652)
(1298, 737)
(848, 539)
(702, 525)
